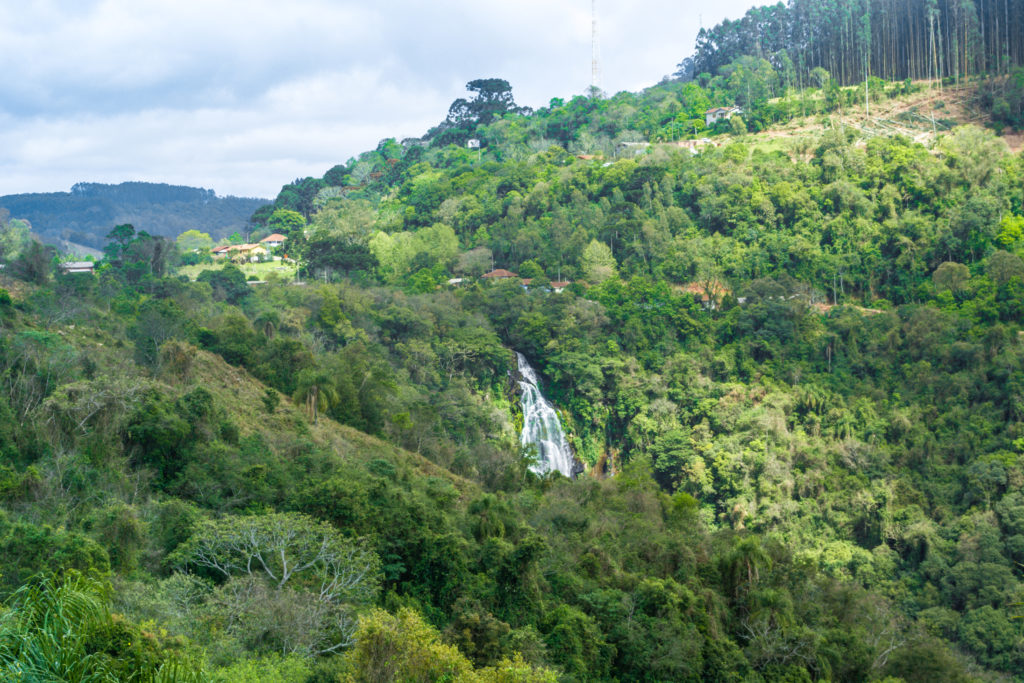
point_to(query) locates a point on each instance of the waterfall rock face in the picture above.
(541, 426)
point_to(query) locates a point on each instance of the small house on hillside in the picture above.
(498, 274)
(250, 252)
(220, 252)
(695, 145)
(77, 267)
(555, 286)
(713, 116)
(710, 294)
(274, 240)
(632, 148)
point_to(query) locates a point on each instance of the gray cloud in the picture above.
(242, 97)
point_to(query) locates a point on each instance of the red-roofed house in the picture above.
(555, 286)
(250, 252)
(499, 274)
(274, 240)
(716, 289)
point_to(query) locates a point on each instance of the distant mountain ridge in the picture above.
(86, 214)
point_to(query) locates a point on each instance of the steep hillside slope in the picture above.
(241, 396)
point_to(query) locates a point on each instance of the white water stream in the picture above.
(541, 426)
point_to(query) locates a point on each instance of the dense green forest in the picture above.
(83, 216)
(791, 368)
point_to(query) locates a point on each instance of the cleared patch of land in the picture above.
(920, 116)
(261, 271)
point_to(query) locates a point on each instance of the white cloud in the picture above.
(300, 127)
(243, 97)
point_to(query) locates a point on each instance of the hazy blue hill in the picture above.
(88, 212)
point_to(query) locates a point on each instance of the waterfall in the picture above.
(541, 426)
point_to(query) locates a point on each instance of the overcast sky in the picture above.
(243, 97)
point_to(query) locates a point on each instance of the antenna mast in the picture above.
(595, 74)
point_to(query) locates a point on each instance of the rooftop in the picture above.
(499, 273)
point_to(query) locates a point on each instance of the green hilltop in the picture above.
(77, 221)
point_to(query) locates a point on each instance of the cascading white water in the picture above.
(541, 426)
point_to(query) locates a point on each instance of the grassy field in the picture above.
(260, 270)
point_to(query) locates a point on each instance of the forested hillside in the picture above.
(857, 372)
(791, 367)
(852, 40)
(773, 49)
(85, 215)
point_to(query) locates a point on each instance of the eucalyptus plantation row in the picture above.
(857, 39)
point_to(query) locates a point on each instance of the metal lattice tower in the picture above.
(595, 71)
